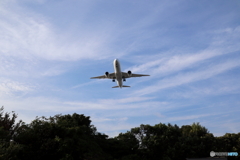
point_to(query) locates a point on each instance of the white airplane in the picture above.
(118, 75)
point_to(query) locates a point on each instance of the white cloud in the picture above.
(164, 64)
(190, 117)
(28, 35)
(101, 119)
(124, 100)
(188, 77)
(87, 83)
(216, 87)
(106, 105)
(113, 130)
(10, 88)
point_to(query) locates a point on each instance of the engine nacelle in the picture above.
(107, 74)
(129, 73)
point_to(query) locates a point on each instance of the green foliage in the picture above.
(171, 142)
(7, 124)
(228, 142)
(8, 129)
(70, 137)
(159, 141)
(196, 141)
(60, 137)
(125, 146)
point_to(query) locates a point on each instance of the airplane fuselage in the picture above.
(118, 72)
(118, 75)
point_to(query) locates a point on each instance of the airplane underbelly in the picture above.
(119, 82)
(118, 74)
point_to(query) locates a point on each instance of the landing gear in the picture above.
(124, 79)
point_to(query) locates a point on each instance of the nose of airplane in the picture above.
(115, 61)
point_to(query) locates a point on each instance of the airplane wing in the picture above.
(126, 75)
(110, 76)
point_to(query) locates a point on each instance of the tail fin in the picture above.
(118, 86)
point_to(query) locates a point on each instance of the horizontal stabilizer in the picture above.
(118, 86)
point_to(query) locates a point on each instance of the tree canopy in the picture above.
(70, 137)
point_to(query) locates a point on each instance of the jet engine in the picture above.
(107, 74)
(129, 73)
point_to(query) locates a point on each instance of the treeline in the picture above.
(70, 137)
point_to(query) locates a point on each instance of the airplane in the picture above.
(118, 75)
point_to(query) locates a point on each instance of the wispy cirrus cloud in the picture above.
(9, 87)
(32, 46)
(34, 36)
(223, 43)
(189, 77)
(215, 87)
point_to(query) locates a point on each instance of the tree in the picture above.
(60, 137)
(73, 136)
(125, 146)
(196, 140)
(8, 129)
(228, 142)
(158, 142)
(164, 142)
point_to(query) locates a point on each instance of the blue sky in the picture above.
(50, 49)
